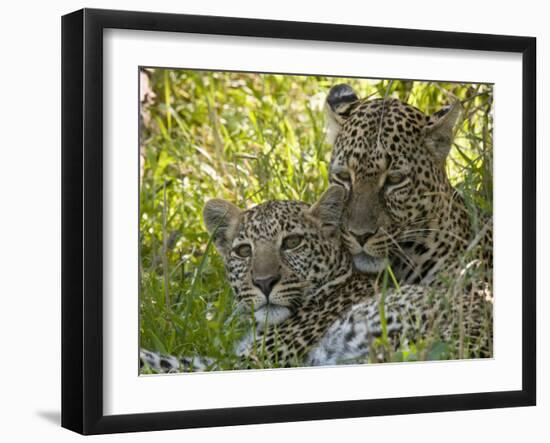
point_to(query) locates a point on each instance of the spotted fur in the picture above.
(401, 209)
(317, 311)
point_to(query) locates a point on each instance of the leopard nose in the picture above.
(362, 237)
(266, 284)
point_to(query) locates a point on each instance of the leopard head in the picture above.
(279, 253)
(390, 157)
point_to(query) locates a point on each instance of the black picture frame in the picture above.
(82, 218)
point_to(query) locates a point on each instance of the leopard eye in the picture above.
(343, 176)
(394, 178)
(243, 251)
(292, 242)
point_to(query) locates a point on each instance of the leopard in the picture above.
(290, 271)
(402, 209)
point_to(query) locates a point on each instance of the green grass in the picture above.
(248, 138)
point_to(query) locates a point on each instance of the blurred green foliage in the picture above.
(248, 138)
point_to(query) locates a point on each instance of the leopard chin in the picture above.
(270, 314)
(365, 263)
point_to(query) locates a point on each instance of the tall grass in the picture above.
(248, 138)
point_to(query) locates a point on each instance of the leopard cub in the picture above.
(288, 267)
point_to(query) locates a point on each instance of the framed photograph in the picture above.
(271, 221)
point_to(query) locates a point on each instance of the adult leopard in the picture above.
(402, 209)
(287, 266)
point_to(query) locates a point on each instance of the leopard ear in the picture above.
(329, 209)
(440, 129)
(221, 219)
(340, 101)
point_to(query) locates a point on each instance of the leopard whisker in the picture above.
(404, 256)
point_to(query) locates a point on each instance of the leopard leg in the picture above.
(167, 364)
